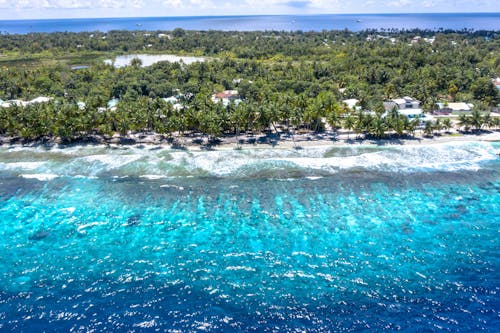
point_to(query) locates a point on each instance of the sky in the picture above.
(39, 9)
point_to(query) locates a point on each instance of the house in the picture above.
(415, 39)
(226, 97)
(408, 107)
(402, 104)
(447, 108)
(352, 104)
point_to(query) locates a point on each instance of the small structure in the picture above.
(430, 40)
(408, 107)
(402, 104)
(226, 97)
(352, 104)
(456, 108)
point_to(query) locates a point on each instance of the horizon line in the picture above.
(245, 15)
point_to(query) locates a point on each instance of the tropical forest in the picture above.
(284, 82)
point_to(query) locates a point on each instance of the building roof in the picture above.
(40, 99)
(352, 103)
(456, 106)
(411, 112)
(227, 94)
(171, 99)
(388, 106)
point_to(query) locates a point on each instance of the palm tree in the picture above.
(378, 126)
(446, 124)
(349, 123)
(496, 122)
(464, 122)
(398, 124)
(359, 123)
(488, 120)
(438, 126)
(429, 128)
(476, 120)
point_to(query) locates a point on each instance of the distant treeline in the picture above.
(300, 77)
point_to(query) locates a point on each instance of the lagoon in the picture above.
(321, 239)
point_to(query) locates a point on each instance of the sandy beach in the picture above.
(273, 140)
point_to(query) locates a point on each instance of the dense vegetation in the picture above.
(295, 80)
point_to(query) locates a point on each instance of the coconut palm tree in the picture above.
(476, 120)
(438, 126)
(378, 127)
(349, 123)
(464, 122)
(429, 128)
(446, 124)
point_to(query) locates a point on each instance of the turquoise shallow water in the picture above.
(321, 239)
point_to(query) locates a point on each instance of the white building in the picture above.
(454, 107)
(352, 104)
(402, 103)
(226, 97)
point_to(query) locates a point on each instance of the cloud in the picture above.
(399, 3)
(122, 8)
(71, 4)
(189, 4)
(330, 5)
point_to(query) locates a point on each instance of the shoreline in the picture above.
(260, 141)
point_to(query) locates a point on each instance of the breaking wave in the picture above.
(157, 163)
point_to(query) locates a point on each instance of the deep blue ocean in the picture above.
(353, 22)
(340, 239)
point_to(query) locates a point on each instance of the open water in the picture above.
(353, 22)
(142, 239)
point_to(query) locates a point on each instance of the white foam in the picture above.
(81, 228)
(180, 188)
(164, 163)
(153, 177)
(29, 166)
(240, 268)
(40, 176)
